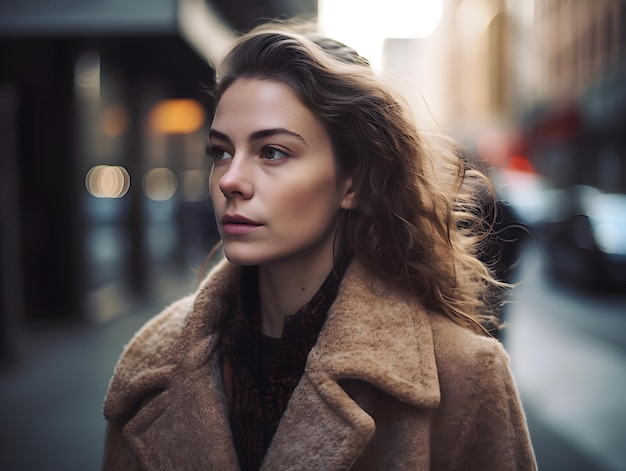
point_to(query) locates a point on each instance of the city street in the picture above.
(110, 202)
(568, 353)
(567, 349)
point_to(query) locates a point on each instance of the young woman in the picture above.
(344, 328)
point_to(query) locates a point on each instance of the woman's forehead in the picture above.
(250, 103)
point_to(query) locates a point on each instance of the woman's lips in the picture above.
(239, 228)
(234, 224)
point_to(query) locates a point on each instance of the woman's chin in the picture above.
(237, 258)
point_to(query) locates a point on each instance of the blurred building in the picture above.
(549, 76)
(537, 91)
(104, 109)
(458, 77)
(476, 34)
(545, 79)
(577, 98)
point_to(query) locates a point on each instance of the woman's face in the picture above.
(274, 182)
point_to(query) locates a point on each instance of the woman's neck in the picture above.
(285, 288)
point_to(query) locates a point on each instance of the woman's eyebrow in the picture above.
(272, 132)
(215, 134)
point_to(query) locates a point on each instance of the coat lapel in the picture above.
(373, 334)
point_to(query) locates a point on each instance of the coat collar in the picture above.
(373, 333)
(380, 335)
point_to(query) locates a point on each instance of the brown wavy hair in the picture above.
(418, 220)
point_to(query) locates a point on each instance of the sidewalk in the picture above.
(51, 402)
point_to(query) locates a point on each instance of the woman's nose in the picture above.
(236, 181)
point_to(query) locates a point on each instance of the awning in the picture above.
(87, 17)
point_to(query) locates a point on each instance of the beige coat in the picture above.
(388, 386)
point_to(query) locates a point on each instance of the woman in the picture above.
(343, 330)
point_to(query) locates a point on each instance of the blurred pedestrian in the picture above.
(501, 252)
(345, 327)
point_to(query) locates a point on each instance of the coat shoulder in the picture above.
(464, 352)
(175, 338)
(480, 422)
(472, 369)
(152, 344)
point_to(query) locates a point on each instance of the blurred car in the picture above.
(530, 196)
(585, 237)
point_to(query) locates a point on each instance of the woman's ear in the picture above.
(349, 195)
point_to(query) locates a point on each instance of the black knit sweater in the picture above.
(260, 372)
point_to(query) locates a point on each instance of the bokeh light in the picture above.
(114, 120)
(159, 184)
(87, 75)
(195, 185)
(107, 181)
(180, 116)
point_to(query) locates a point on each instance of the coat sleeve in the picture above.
(481, 424)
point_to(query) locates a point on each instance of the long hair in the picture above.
(418, 219)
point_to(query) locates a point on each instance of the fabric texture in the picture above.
(258, 387)
(387, 386)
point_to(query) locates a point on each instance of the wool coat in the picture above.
(388, 386)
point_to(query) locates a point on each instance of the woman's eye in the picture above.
(217, 154)
(272, 153)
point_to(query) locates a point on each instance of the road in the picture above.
(568, 354)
